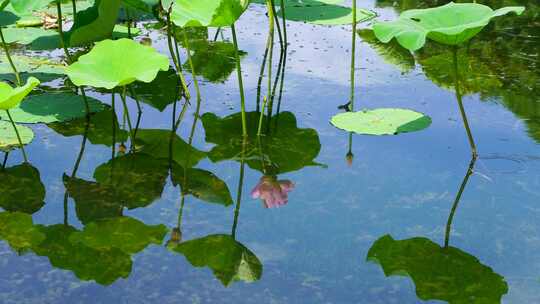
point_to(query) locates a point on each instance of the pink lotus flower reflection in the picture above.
(272, 192)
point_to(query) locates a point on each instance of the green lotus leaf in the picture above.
(136, 180)
(381, 121)
(21, 189)
(450, 24)
(27, 6)
(31, 66)
(326, 14)
(157, 143)
(38, 38)
(439, 273)
(93, 201)
(11, 97)
(229, 260)
(8, 137)
(53, 107)
(18, 230)
(285, 148)
(104, 266)
(93, 24)
(111, 64)
(124, 233)
(207, 13)
(202, 184)
(98, 131)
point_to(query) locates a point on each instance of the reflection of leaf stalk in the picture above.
(240, 187)
(470, 171)
(18, 136)
(192, 66)
(6, 156)
(240, 82)
(126, 111)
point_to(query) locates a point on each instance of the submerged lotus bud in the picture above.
(272, 192)
(122, 149)
(176, 237)
(350, 158)
(146, 41)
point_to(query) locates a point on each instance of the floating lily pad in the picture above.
(21, 189)
(124, 233)
(381, 121)
(18, 230)
(202, 184)
(99, 128)
(53, 107)
(207, 13)
(284, 148)
(104, 266)
(451, 24)
(31, 66)
(117, 63)
(11, 97)
(326, 14)
(157, 143)
(439, 273)
(229, 260)
(8, 137)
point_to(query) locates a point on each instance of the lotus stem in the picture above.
(74, 6)
(18, 136)
(286, 43)
(113, 108)
(261, 72)
(470, 171)
(6, 50)
(240, 188)
(353, 57)
(126, 111)
(272, 12)
(3, 4)
(261, 117)
(6, 156)
(218, 31)
(240, 82)
(176, 60)
(192, 66)
(61, 31)
(461, 107)
(128, 23)
(281, 84)
(271, 49)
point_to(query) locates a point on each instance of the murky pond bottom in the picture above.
(389, 219)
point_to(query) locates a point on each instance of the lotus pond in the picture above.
(284, 151)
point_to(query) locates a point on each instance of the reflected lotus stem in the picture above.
(18, 136)
(6, 156)
(192, 66)
(126, 111)
(6, 50)
(113, 124)
(259, 131)
(240, 82)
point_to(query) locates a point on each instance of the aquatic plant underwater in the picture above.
(104, 56)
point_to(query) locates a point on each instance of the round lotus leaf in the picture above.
(451, 24)
(327, 14)
(8, 137)
(10, 97)
(207, 13)
(53, 107)
(117, 63)
(381, 121)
